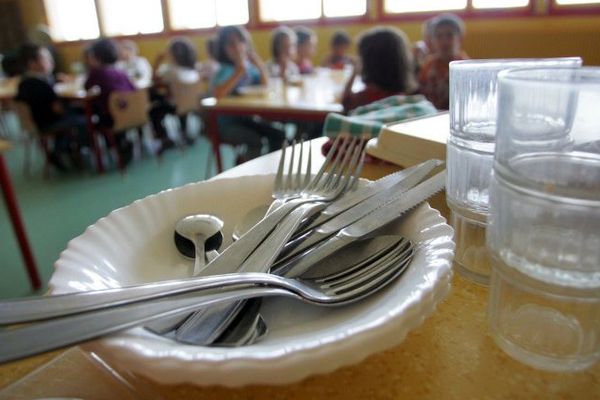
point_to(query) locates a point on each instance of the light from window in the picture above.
(199, 14)
(277, 10)
(407, 6)
(232, 12)
(130, 17)
(499, 3)
(72, 19)
(344, 8)
(570, 2)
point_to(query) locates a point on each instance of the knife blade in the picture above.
(357, 196)
(384, 213)
(335, 223)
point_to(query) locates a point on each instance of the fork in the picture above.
(205, 326)
(168, 298)
(292, 185)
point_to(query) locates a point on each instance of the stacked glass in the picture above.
(544, 221)
(470, 153)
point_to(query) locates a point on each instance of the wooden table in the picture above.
(14, 213)
(451, 356)
(309, 100)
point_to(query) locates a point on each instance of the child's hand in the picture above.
(254, 58)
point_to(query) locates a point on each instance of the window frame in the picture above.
(469, 12)
(572, 9)
(321, 21)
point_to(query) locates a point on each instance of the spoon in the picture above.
(197, 237)
(254, 328)
(204, 233)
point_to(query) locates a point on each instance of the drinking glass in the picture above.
(544, 221)
(470, 153)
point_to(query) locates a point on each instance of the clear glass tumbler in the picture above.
(544, 221)
(470, 153)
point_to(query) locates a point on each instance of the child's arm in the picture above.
(156, 66)
(225, 88)
(262, 69)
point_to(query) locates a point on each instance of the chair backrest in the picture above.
(128, 109)
(24, 113)
(186, 96)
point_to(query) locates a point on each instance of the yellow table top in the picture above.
(71, 90)
(319, 93)
(450, 356)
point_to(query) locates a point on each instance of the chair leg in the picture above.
(140, 132)
(113, 146)
(46, 150)
(27, 155)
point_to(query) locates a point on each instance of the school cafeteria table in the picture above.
(308, 100)
(450, 356)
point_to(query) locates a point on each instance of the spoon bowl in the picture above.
(199, 226)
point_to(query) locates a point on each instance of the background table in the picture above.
(308, 100)
(451, 356)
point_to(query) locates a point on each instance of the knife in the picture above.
(357, 196)
(384, 213)
(335, 223)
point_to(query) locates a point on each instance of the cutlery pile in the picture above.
(309, 221)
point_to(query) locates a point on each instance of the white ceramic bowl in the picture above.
(134, 245)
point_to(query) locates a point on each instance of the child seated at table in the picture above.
(49, 114)
(177, 65)
(137, 68)
(385, 65)
(424, 47)
(307, 43)
(340, 45)
(210, 66)
(448, 31)
(240, 66)
(102, 57)
(283, 53)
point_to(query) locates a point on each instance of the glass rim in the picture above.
(464, 64)
(552, 76)
(586, 197)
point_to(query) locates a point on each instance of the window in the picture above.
(279, 11)
(571, 2)
(130, 17)
(408, 6)
(344, 8)
(500, 3)
(198, 14)
(72, 19)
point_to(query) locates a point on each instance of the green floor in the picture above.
(59, 209)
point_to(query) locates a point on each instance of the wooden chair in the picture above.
(186, 97)
(31, 133)
(129, 110)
